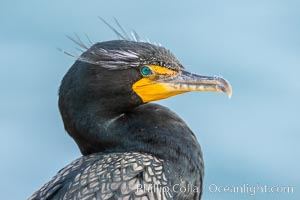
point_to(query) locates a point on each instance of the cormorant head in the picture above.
(114, 78)
(122, 74)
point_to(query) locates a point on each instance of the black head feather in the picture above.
(123, 54)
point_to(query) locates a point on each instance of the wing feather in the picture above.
(110, 176)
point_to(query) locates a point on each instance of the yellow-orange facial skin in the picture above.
(150, 90)
(164, 82)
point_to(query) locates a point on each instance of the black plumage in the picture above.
(127, 143)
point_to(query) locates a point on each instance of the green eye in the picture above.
(146, 71)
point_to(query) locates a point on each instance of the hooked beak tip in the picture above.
(229, 94)
(226, 87)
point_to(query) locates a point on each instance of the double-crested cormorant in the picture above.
(132, 149)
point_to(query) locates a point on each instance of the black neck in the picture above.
(148, 128)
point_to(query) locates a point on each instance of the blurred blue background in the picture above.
(251, 139)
